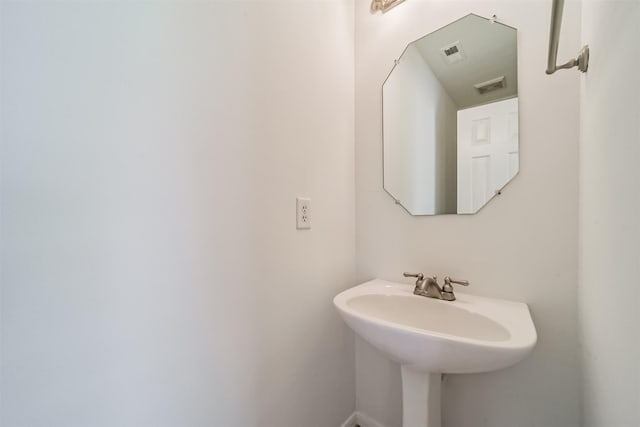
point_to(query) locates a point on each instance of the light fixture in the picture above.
(384, 5)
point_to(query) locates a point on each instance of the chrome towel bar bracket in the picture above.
(582, 61)
(384, 5)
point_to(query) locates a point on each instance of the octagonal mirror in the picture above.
(450, 118)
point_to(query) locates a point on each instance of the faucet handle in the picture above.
(418, 276)
(448, 281)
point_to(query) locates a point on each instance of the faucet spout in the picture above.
(429, 288)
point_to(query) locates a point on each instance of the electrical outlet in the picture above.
(303, 213)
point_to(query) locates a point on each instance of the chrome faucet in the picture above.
(428, 287)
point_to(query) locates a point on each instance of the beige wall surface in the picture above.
(152, 274)
(522, 246)
(609, 206)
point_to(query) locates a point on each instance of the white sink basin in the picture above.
(471, 334)
(429, 337)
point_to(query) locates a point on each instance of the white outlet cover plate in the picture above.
(303, 213)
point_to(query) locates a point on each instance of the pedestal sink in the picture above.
(429, 337)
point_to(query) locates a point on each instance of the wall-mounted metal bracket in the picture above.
(582, 61)
(384, 5)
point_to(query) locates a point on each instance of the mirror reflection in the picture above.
(450, 118)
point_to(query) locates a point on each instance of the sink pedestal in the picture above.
(420, 398)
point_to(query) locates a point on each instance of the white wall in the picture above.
(416, 134)
(151, 156)
(446, 152)
(609, 206)
(522, 246)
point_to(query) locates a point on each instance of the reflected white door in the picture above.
(487, 152)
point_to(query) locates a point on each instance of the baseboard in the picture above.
(362, 420)
(351, 421)
(366, 421)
